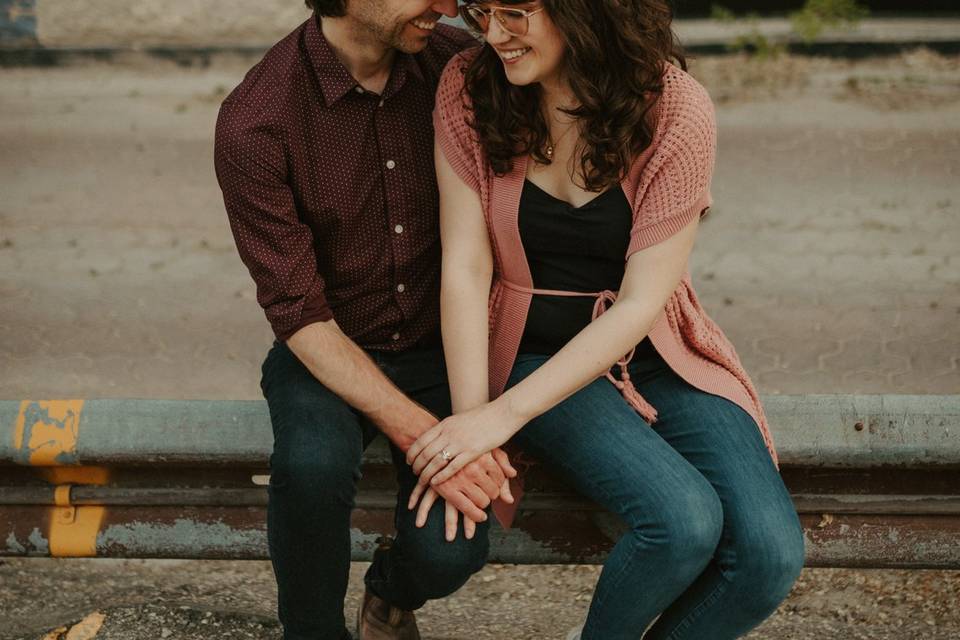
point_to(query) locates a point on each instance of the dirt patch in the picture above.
(916, 79)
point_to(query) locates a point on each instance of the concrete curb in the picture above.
(34, 33)
(203, 56)
(869, 31)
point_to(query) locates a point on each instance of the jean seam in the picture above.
(635, 543)
(698, 610)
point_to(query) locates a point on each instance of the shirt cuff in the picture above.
(315, 309)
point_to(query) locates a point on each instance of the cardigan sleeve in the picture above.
(674, 185)
(455, 137)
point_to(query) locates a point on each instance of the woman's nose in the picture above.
(495, 33)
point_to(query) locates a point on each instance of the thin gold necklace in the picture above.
(553, 144)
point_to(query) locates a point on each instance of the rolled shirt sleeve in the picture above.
(274, 244)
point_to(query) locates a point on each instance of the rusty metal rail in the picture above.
(875, 479)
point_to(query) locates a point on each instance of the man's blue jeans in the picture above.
(314, 468)
(714, 542)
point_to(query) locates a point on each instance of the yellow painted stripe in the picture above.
(73, 530)
(45, 430)
(45, 439)
(61, 495)
(75, 475)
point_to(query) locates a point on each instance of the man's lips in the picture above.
(426, 25)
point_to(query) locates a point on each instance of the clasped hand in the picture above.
(457, 459)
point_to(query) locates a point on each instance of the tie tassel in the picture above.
(632, 396)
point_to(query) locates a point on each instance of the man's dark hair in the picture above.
(329, 8)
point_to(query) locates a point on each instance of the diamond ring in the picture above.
(445, 455)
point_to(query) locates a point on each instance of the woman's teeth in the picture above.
(426, 26)
(516, 53)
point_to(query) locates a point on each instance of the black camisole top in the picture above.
(571, 249)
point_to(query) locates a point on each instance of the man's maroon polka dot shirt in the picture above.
(331, 191)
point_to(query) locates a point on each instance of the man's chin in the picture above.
(410, 39)
(411, 46)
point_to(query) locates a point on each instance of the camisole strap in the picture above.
(605, 297)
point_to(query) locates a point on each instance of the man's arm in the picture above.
(344, 368)
(277, 248)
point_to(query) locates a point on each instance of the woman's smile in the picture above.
(510, 56)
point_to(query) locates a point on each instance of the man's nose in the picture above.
(446, 7)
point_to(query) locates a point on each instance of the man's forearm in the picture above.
(344, 368)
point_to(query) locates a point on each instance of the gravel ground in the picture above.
(111, 225)
(190, 600)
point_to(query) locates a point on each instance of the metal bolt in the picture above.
(858, 426)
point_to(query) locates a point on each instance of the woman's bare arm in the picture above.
(651, 276)
(466, 273)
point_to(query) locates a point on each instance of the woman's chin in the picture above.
(519, 76)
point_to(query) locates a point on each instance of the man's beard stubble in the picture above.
(390, 35)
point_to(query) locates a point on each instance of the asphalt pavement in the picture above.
(829, 259)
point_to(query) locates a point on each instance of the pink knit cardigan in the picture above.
(668, 184)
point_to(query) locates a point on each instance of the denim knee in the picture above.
(769, 563)
(688, 525)
(317, 443)
(319, 477)
(440, 567)
(316, 450)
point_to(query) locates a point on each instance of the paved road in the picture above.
(829, 259)
(829, 256)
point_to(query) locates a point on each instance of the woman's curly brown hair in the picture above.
(615, 52)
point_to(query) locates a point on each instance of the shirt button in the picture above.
(381, 103)
(359, 89)
(398, 228)
(395, 336)
(391, 164)
(400, 287)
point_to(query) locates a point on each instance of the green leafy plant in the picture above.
(807, 23)
(752, 40)
(721, 14)
(817, 15)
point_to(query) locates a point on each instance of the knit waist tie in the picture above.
(630, 393)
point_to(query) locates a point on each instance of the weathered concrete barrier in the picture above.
(137, 24)
(875, 479)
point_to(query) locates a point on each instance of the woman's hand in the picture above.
(453, 443)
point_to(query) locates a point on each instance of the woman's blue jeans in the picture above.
(714, 543)
(314, 469)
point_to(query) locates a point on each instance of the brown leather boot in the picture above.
(377, 620)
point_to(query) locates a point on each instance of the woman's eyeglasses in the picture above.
(513, 21)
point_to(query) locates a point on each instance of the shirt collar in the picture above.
(334, 79)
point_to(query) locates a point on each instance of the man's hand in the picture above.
(340, 365)
(469, 491)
